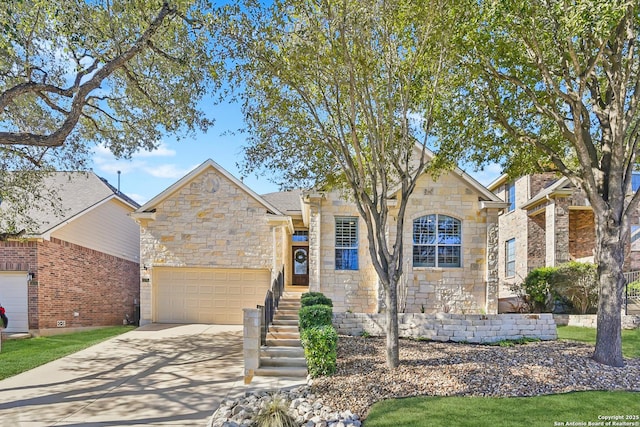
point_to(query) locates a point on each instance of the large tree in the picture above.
(76, 73)
(346, 94)
(554, 85)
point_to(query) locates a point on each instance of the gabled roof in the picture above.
(561, 187)
(471, 181)
(151, 204)
(78, 193)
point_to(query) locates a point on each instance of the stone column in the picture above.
(492, 278)
(557, 232)
(251, 342)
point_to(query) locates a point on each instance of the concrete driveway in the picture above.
(154, 375)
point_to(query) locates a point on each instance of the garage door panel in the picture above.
(14, 297)
(186, 295)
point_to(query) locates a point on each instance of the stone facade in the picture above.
(470, 288)
(74, 284)
(208, 221)
(452, 327)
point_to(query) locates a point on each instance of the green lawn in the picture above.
(24, 354)
(580, 408)
(552, 410)
(630, 338)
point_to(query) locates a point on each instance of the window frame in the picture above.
(346, 255)
(510, 258)
(510, 192)
(440, 248)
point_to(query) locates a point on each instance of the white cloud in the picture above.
(163, 150)
(167, 170)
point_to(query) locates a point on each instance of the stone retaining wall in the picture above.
(473, 328)
(590, 320)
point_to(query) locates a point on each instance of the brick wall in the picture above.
(582, 235)
(100, 288)
(537, 241)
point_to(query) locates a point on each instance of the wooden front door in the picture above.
(300, 266)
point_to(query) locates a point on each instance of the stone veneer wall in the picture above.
(473, 328)
(209, 222)
(471, 288)
(591, 320)
(513, 225)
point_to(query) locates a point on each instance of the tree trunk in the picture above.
(391, 299)
(609, 257)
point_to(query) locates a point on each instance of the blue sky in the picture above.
(147, 174)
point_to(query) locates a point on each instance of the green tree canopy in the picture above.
(77, 73)
(550, 85)
(346, 94)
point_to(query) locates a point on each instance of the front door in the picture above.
(300, 266)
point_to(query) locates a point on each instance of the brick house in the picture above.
(548, 222)
(210, 246)
(79, 268)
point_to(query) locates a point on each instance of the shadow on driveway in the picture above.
(154, 375)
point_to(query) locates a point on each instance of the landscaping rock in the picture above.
(438, 369)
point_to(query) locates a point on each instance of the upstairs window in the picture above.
(510, 257)
(436, 241)
(346, 243)
(511, 196)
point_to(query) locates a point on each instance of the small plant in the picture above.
(536, 289)
(275, 413)
(422, 308)
(577, 283)
(315, 298)
(365, 334)
(320, 350)
(315, 315)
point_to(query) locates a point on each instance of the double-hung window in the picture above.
(346, 243)
(436, 241)
(510, 257)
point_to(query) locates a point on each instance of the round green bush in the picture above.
(315, 315)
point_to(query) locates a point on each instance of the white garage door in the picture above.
(206, 295)
(14, 298)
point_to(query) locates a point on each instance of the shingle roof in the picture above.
(77, 192)
(286, 201)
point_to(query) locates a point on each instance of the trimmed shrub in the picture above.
(320, 345)
(577, 282)
(315, 315)
(537, 289)
(315, 298)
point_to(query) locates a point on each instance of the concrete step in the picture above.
(283, 342)
(285, 317)
(284, 352)
(287, 312)
(285, 322)
(283, 335)
(298, 362)
(282, 371)
(284, 328)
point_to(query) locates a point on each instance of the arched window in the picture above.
(436, 241)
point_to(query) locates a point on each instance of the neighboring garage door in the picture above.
(207, 295)
(14, 298)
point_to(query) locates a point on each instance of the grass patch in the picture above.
(630, 338)
(22, 355)
(578, 407)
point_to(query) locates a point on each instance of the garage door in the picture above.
(14, 298)
(202, 295)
